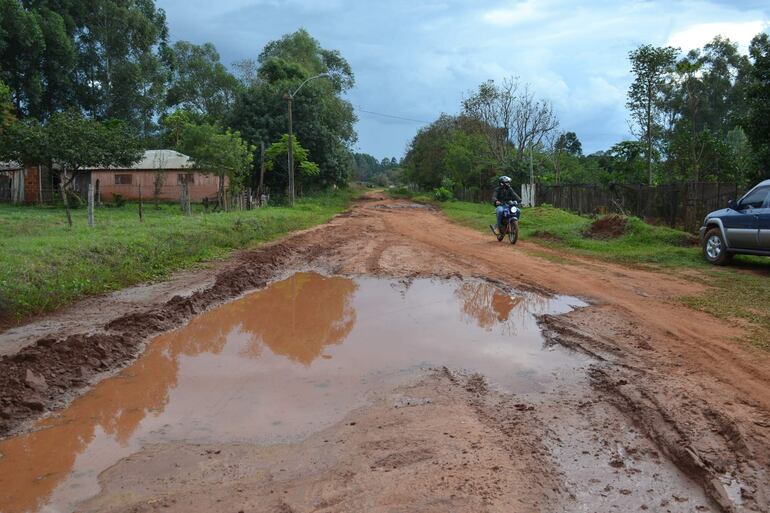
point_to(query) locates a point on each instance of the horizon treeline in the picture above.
(699, 116)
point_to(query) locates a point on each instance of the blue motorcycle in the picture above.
(510, 222)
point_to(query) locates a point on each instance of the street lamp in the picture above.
(289, 97)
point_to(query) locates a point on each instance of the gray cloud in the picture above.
(416, 59)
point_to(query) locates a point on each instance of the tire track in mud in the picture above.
(729, 462)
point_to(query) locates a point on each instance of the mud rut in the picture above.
(668, 385)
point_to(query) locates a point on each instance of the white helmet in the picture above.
(505, 179)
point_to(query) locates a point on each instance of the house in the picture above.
(159, 174)
(25, 184)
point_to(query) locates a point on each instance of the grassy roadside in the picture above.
(739, 291)
(44, 265)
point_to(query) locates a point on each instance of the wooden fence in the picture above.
(678, 205)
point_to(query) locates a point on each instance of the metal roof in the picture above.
(157, 159)
(163, 159)
(10, 166)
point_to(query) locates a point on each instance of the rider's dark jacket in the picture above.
(504, 194)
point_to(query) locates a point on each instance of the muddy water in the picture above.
(278, 364)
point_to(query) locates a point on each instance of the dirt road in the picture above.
(672, 415)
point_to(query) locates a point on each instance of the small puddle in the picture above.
(278, 364)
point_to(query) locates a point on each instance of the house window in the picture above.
(187, 178)
(123, 179)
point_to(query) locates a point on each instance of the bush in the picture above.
(118, 199)
(399, 192)
(442, 194)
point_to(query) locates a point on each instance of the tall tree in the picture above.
(510, 117)
(6, 108)
(646, 95)
(122, 49)
(104, 57)
(21, 47)
(757, 124)
(200, 83)
(323, 120)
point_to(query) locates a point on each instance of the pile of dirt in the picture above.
(607, 227)
(547, 236)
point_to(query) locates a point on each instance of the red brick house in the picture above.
(159, 174)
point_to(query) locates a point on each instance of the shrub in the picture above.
(118, 199)
(442, 194)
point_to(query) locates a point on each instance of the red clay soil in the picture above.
(701, 396)
(610, 226)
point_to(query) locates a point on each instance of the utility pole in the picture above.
(261, 168)
(531, 179)
(290, 152)
(289, 97)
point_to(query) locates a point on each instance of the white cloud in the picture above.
(695, 36)
(520, 12)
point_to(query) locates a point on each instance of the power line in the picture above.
(359, 109)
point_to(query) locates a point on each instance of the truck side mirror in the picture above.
(732, 204)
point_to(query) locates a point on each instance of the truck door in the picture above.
(763, 218)
(742, 227)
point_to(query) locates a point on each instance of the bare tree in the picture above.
(493, 105)
(533, 119)
(511, 117)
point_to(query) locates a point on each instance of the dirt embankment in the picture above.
(700, 396)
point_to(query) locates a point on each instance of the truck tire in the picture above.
(715, 249)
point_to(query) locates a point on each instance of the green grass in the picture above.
(45, 265)
(738, 291)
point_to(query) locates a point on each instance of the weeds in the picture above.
(44, 265)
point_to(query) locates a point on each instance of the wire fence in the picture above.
(210, 197)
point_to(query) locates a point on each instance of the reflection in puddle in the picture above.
(276, 365)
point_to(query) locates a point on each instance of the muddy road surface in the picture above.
(387, 361)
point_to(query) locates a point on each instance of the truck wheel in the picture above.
(714, 248)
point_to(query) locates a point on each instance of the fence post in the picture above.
(187, 209)
(90, 205)
(64, 200)
(141, 205)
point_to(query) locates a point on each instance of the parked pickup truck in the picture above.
(741, 228)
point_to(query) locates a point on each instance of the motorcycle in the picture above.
(510, 222)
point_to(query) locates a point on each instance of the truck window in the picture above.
(756, 198)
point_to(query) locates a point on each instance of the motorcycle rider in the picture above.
(502, 195)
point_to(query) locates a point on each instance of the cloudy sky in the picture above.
(416, 59)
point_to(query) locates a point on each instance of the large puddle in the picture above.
(278, 364)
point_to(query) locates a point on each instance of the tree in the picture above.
(757, 124)
(510, 117)
(324, 121)
(650, 66)
(563, 152)
(21, 47)
(6, 108)
(277, 153)
(75, 143)
(106, 58)
(223, 152)
(568, 142)
(175, 123)
(200, 83)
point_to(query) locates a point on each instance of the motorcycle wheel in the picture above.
(513, 231)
